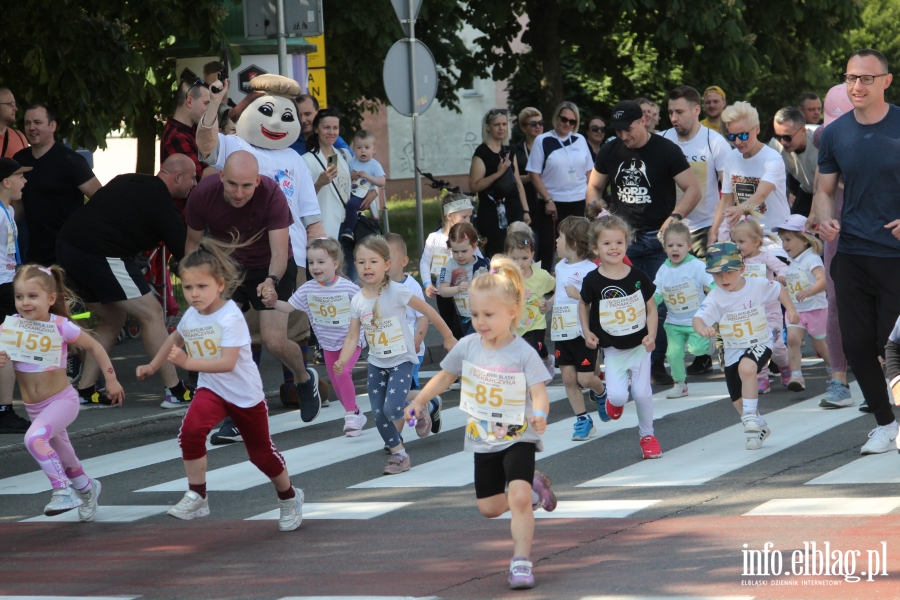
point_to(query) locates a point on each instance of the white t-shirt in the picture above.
(392, 307)
(8, 233)
(755, 293)
(571, 274)
(568, 163)
(412, 315)
(802, 267)
(333, 212)
(241, 386)
(435, 244)
(371, 167)
(742, 177)
(706, 153)
(688, 277)
(292, 176)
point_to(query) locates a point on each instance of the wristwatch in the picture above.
(274, 279)
(677, 216)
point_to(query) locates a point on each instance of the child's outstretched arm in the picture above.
(437, 384)
(421, 330)
(113, 387)
(144, 371)
(649, 341)
(816, 288)
(790, 312)
(284, 307)
(423, 307)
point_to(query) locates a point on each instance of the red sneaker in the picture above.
(650, 447)
(613, 411)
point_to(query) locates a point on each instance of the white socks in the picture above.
(750, 405)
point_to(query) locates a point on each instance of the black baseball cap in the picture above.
(624, 114)
(9, 167)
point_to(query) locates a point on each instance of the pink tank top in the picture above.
(69, 332)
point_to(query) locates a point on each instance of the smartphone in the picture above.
(332, 161)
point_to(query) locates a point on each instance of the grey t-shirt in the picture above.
(517, 357)
(394, 348)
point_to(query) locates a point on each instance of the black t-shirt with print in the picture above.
(596, 287)
(642, 180)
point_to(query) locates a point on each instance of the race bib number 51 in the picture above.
(35, 342)
(744, 328)
(203, 342)
(491, 396)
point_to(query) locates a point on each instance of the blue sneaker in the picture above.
(584, 428)
(601, 405)
(837, 396)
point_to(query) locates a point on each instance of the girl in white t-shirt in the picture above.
(216, 343)
(460, 269)
(326, 300)
(806, 285)
(380, 310)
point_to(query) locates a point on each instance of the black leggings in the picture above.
(569, 209)
(867, 288)
(447, 310)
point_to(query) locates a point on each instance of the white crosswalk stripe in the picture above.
(879, 468)
(820, 507)
(356, 511)
(592, 509)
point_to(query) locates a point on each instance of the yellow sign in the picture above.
(316, 60)
(317, 87)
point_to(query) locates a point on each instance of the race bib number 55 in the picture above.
(35, 342)
(681, 297)
(491, 396)
(204, 342)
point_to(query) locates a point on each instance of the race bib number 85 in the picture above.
(35, 342)
(491, 396)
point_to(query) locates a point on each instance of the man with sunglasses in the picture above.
(180, 136)
(793, 140)
(861, 148)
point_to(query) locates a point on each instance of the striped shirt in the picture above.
(331, 337)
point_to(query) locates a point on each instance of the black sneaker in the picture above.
(93, 397)
(436, 416)
(658, 374)
(227, 434)
(308, 393)
(319, 358)
(701, 364)
(348, 236)
(73, 368)
(10, 422)
(387, 449)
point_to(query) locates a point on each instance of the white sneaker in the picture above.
(62, 500)
(550, 363)
(679, 391)
(755, 440)
(88, 509)
(291, 512)
(191, 506)
(880, 439)
(751, 423)
(353, 424)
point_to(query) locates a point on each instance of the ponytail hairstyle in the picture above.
(519, 240)
(312, 143)
(578, 236)
(453, 203)
(504, 281)
(215, 257)
(677, 228)
(595, 210)
(611, 222)
(519, 227)
(52, 281)
(379, 246)
(750, 224)
(333, 249)
(814, 242)
(464, 232)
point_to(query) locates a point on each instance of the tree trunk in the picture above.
(544, 17)
(145, 130)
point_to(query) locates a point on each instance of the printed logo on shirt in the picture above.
(744, 187)
(632, 183)
(284, 181)
(613, 291)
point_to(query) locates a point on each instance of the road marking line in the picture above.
(105, 514)
(354, 598)
(592, 509)
(68, 597)
(355, 511)
(876, 468)
(814, 507)
(667, 598)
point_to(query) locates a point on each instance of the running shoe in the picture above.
(423, 425)
(702, 364)
(751, 423)
(192, 506)
(62, 500)
(679, 391)
(387, 449)
(520, 575)
(73, 368)
(613, 411)
(659, 375)
(88, 509)
(541, 485)
(397, 464)
(755, 440)
(173, 401)
(601, 404)
(291, 512)
(650, 447)
(227, 434)
(764, 387)
(96, 398)
(584, 428)
(10, 422)
(436, 405)
(310, 402)
(881, 439)
(353, 423)
(796, 383)
(837, 396)
(785, 376)
(319, 357)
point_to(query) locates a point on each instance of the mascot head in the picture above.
(268, 116)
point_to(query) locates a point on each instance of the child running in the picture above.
(748, 236)
(504, 395)
(806, 285)
(519, 247)
(682, 283)
(380, 309)
(43, 301)
(459, 270)
(619, 309)
(217, 340)
(326, 299)
(575, 360)
(737, 304)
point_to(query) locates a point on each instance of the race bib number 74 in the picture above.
(35, 342)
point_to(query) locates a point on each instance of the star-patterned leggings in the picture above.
(388, 389)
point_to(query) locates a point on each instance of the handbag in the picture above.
(365, 226)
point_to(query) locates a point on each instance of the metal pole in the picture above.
(282, 39)
(420, 219)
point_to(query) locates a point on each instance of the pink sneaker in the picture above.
(764, 386)
(541, 485)
(520, 575)
(785, 376)
(353, 424)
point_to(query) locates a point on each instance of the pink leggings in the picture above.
(48, 442)
(343, 383)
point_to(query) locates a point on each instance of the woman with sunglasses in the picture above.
(532, 125)
(494, 175)
(753, 174)
(596, 135)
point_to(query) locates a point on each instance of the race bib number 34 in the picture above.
(796, 281)
(329, 309)
(564, 324)
(386, 341)
(681, 297)
(744, 328)
(35, 342)
(623, 316)
(491, 396)
(203, 342)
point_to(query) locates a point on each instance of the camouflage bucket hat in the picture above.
(723, 257)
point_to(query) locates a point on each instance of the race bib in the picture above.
(755, 270)
(386, 341)
(491, 396)
(744, 328)
(35, 342)
(462, 305)
(11, 238)
(682, 297)
(203, 342)
(623, 316)
(564, 324)
(439, 259)
(331, 310)
(796, 281)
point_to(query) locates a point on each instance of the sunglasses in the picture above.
(596, 128)
(495, 113)
(535, 124)
(744, 136)
(786, 138)
(572, 122)
(199, 82)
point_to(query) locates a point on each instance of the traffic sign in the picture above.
(397, 78)
(246, 74)
(401, 7)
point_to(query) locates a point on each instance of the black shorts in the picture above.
(245, 294)
(494, 470)
(7, 299)
(758, 354)
(575, 353)
(535, 339)
(102, 279)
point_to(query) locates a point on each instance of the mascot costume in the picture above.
(267, 123)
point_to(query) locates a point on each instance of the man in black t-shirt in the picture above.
(643, 170)
(57, 184)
